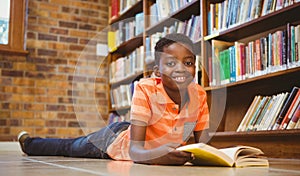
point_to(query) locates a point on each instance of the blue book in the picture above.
(232, 64)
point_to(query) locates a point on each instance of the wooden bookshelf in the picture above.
(228, 103)
(277, 19)
(275, 144)
(128, 46)
(183, 13)
(129, 13)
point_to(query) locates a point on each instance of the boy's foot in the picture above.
(21, 138)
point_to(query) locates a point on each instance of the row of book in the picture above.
(235, 61)
(121, 96)
(118, 7)
(164, 8)
(190, 27)
(127, 66)
(125, 30)
(276, 112)
(230, 13)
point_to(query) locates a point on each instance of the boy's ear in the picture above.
(156, 71)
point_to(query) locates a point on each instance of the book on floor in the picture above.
(237, 156)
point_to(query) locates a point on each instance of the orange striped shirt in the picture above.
(166, 124)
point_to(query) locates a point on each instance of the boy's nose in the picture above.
(180, 67)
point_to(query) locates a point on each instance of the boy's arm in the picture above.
(163, 155)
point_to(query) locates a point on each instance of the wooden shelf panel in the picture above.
(264, 23)
(182, 14)
(275, 133)
(276, 144)
(127, 47)
(127, 80)
(249, 80)
(129, 13)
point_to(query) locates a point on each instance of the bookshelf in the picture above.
(184, 11)
(235, 96)
(239, 94)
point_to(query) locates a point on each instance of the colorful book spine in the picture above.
(294, 118)
(285, 107)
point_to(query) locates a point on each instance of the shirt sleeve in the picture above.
(140, 107)
(203, 115)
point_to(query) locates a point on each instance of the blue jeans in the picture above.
(93, 145)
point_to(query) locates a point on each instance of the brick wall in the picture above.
(60, 88)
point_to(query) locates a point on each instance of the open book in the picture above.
(239, 156)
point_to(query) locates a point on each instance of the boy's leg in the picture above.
(103, 138)
(93, 145)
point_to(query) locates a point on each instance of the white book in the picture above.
(163, 9)
(276, 111)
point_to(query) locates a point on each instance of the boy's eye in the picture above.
(171, 64)
(188, 63)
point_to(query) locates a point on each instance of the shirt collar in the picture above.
(163, 98)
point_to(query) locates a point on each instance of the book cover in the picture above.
(257, 113)
(285, 107)
(237, 156)
(225, 66)
(217, 47)
(232, 64)
(259, 119)
(114, 9)
(294, 118)
(271, 118)
(290, 111)
(249, 113)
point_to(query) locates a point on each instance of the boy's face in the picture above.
(177, 66)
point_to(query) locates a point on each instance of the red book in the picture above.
(258, 55)
(285, 107)
(294, 118)
(114, 9)
(210, 71)
(290, 111)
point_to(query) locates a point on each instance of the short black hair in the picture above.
(170, 39)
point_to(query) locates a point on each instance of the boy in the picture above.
(164, 112)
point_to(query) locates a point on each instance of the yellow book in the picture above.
(238, 156)
(111, 41)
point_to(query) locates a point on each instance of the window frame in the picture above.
(16, 35)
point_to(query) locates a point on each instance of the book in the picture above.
(217, 47)
(114, 11)
(278, 104)
(294, 118)
(290, 111)
(237, 156)
(285, 108)
(245, 121)
(257, 113)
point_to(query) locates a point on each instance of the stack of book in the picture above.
(276, 112)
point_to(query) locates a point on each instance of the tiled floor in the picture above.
(13, 163)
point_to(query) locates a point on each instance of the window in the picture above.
(4, 21)
(12, 26)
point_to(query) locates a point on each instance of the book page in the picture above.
(246, 156)
(235, 152)
(207, 155)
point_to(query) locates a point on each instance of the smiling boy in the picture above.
(165, 111)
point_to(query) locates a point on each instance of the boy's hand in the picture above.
(169, 156)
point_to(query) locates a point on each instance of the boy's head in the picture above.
(175, 61)
(170, 39)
